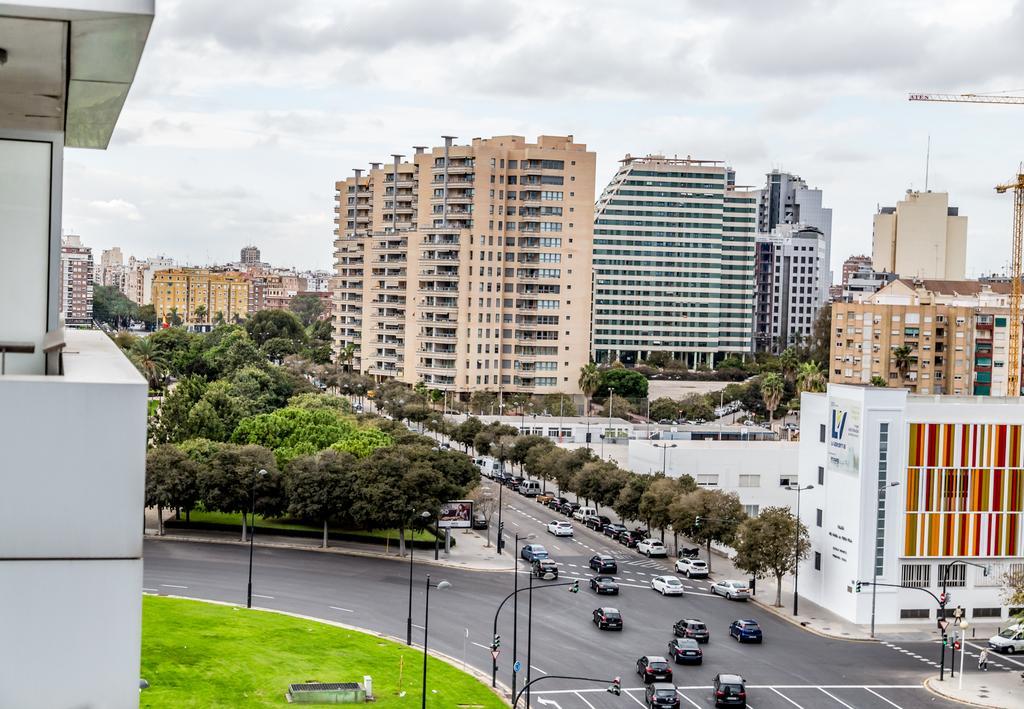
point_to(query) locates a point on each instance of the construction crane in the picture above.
(1016, 271)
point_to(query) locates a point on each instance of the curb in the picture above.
(929, 686)
(329, 550)
(502, 693)
(808, 627)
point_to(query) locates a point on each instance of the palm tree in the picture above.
(901, 357)
(810, 377)
(348, 353)
(173, 317)
(590, 380)
(789, 361)
(149, 361)
(772, 387)
(200, 313)
(218, 319)
(877, 381)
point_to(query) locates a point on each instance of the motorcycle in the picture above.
(689, 553)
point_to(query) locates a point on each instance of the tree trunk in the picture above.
(160, 520)
(675, 542)
(662, 535)
(401, 541)
(188, 516)
(244, 538)
(778, 590)
(325, 534)
(709, 556)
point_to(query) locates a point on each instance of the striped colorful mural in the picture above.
(965, 490)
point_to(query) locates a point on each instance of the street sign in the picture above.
(494, 654)
(518, 666)
(943, 624)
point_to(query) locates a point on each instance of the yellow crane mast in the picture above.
(1016, 272)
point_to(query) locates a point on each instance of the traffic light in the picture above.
(945, 640)
(616, 687)
(857, 586)
(943, 599)
(696, 521)
(497, 642)
(575, 588)
(956, 644)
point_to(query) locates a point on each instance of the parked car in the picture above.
(607, 619)
(730, 690)
(582, 513)
(685, 651)
(560, 528)
(556, 503)
(661, 695)
(479, 521)
(603, 564)
(746, 631)
(533, 551)
(597, 523)
(604, 584)
(693, 629)
(514, 481)
(631, 537)
(545, 569)
(545, 498)
(667, 585)
(652, 668)
(651, 547)
(529, 488)
(692, 568)
(613, 530)
(1009, 640)
(569, 508)
(732, 590)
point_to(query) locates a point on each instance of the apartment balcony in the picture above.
(443, 319)
(439, 381)
(442, 335)
(445, 274)
(454, 198)
(430, 287)
(384, 370)
(439, 257)
(391, 245)
(437, 350)
(455, 167)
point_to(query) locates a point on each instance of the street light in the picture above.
(963, 639)
(252, 534)
(515, 601)
(796, 546)
(664, 453)
(412, 545)
(611, 399)
(878, 545)
(426, 624)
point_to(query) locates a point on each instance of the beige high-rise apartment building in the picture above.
(921, 237)
(110, 270)
(76, 274)
(931, 336)
(467, 267)
(183, 290)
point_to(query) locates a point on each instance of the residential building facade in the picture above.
(673, 262)
(138, 277)
(863, 283)
(110, 269)
(249, 256)
(467, 267)
(791, 268)
(854, 264)
(921, 493)
(921, 237)
(213, 294)
(76, 282)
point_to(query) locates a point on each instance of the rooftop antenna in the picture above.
(927, 161)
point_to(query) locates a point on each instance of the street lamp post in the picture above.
(501, 490)
(963, 640)
(426, 624)
(412, 545)
(796, 547)
(664, 454)
(878, 544)
(252, 535)
(611, 399)
(515, 601)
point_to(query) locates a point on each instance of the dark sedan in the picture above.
(685, 651)
(653, 668)
(691, 628)
(604, 584)
(631, 537)
(608, 618)
(603, 564)
(613, 530)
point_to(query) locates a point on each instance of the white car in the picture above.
(731, 589)
(692, 568)
(560, 528)
(651, 547)
(1010, 640)
(667, 585)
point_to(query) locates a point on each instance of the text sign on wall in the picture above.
(844, 436)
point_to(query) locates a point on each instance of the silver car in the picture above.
(731, 589)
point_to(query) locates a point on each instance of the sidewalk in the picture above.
(995, 688)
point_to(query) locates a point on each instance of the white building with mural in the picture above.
(910, 491)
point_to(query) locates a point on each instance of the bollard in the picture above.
(368, 685)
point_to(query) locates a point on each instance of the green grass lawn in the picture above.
(235, 520)
(197, 654)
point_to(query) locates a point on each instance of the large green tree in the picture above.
(149, 360)
(627, 504)
(771, 545)
(589, 381)
(308, 307)
(322, 488)
(171, 481)
(627, 383)
(772, 388)
(708, 515)
(232, 483)
(111, 306)
(268, 324)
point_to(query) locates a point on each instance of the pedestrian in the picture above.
(983, 659)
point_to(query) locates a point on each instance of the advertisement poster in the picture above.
(457, 514)
(844, 436)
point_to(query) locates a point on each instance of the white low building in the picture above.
(563, 429)
(905, 485)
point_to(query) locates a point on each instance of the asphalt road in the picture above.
(793, 668)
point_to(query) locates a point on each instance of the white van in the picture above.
(489, 467)
(530, 488)
(1011, 640)
(584, 513)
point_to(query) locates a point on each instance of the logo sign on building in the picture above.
(844, 436)
(456, 514)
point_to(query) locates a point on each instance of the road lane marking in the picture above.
(149, 590)
(1000, 656)
(786, 698)
(583, 699)
(537, 669)
(485, 647)
(343, 610)
(417, 626)
(883, 698)
(171, 585)
(256, 595)
(626, 692)
(827, 693)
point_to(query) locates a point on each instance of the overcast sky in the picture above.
(243, 114)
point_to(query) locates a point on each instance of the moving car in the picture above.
(545, 569)
(533, 551)
(560, 528)
(685, 651)
(479, 521)
(1010, 640)
(730, 690)
(652, 668)
(667, 585)
(661, 694)
(651, 547)
(693, 629)
(604, 584)
(731, 589)
(529, 488)
(603, 564)
(607, 619)
(746, 631)
(613, 530)
(692, 568)
(597, 522)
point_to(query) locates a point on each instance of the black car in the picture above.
(653, 668)
(604, 584)
(603, 564)
(556, 503)
(514, 481)
(597, 523)
(631, 537)
(730, 690)
(613, 530)
(607, 619)
(685, 651)
(545, 569)
(691, 628)
(568, 508)
(661, 695)
(479, 521)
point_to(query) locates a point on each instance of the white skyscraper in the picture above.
(791, 265)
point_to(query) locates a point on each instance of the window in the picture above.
(987, 612)
(750, 481)
(787, 480)
(707, 480)
(751, 510)
(821, 433)
(821, 475)
(915, 613)
(915, 575)
(817, 561)
(955, 575)
(819, 517)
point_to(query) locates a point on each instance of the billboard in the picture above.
(455, 514)
(844, 436)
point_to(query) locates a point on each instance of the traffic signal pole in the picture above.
(496, 642)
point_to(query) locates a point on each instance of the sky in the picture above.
(244, 114)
